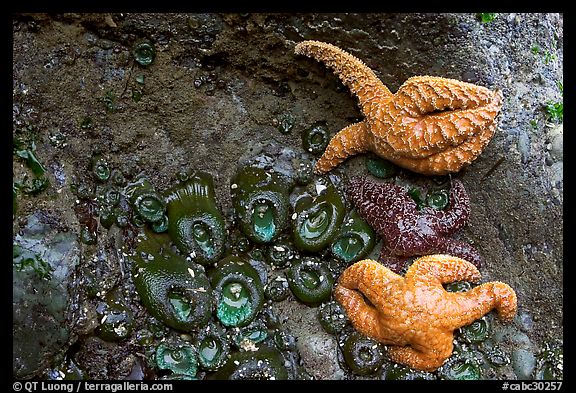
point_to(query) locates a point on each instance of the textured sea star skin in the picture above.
(407, 231)
(431, 125)
(414, 314)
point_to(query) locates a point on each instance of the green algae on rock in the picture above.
(195, 224)
(354, 240)
(42, 280)
(173, 290)
(310, 280)
(238, 291)
(261, 202)
(319, 211)
(40, 181)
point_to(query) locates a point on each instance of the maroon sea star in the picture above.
(407, 231)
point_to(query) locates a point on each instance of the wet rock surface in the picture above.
(220, 86)
(45, 258)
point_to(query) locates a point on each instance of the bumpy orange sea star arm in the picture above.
(450, 160)
(437, 113)
(473, 304)
(442, 269)
(437, 349)
(347, 142)
(358, 77)
(363, 316)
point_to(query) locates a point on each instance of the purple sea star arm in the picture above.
(392, 262)
(456, 214)
(459, 249)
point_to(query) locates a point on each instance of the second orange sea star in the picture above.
(414, 314)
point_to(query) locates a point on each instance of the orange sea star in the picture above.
(414, 314)
(431, 125)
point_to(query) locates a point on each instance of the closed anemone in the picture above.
(348, 246)
(266, 363)
(238, 291)
(363, 355)
(277, 289)
(438, 199)
(380, 167)
(161, 226)
(173, 290)
(248, 336)
(260, 201)
(332, 317)
(459, 367)
(476, 332)
(318, 218)
(195, 223)
(280, 253)
(310, 281)
(147, 203)
(316, 138)
(550, 362)
(178, 358)
(144, 53)
(355, 239)
(116, 318)
(213, 347)
(100, 168)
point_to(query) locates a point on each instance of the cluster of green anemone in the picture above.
(209, 278)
